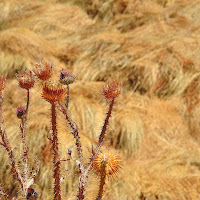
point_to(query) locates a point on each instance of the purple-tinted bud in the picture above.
(66, 78)
(21, 112)
(31, 194)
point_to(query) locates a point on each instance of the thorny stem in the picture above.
(84, 173)
(103, 131)
(76, 136)
(28, 101)
(101, 136)
(23, 126)
(84, 177)
(56, 161)
(9, 150)
(102, 180)
(67, 99)
(25, 150)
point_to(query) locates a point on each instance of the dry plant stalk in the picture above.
(55, 93)
(26, 81)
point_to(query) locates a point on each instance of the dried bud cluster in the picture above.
(66, 78)
(21, 112)
(31, 194)
(26, 80)
(43, 71)
(104, 164)
(112, 162)
(53, 92)
(111, 90)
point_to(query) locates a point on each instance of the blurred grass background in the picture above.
(152, 46)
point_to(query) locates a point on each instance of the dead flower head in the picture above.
(111, 161)
(53, 92)
(26, 79)
(43, 70)
(111, 90)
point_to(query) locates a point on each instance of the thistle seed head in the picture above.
(26, 80)
(53, 92)
(43, 70)
(111, 90)
(111, 161)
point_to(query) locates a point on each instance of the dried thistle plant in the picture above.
(57, 94)
(23, 176)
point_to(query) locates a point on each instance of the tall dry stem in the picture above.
(56, 161)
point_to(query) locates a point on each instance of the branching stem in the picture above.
(84, 176)
(76, 136)
(11, 156)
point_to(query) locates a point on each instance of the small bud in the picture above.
(43, 70)
(21, 112)
(25, 79)
(31, 194)
(66, 78)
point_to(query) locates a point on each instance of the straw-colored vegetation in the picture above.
(153, 48)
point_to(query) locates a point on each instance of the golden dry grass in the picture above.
(152, 46)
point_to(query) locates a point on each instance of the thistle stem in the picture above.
(56, 161)
(84, 177)
(28, 101)
(23, 126)
(6, 144)
(106, 122)
(67, 99)
(25, 150)
(102, 181)
(76, 136)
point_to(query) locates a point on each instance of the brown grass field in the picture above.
(153, 48)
